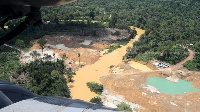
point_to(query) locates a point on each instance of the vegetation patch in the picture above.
(170, 54)
(9, 63)
(112, 48)
(125, 107)
(96, 100)
(95, 87)
(44, 78)
(192, 66)
(111, 66)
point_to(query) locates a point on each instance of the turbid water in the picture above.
(93, 72)
(164, 86)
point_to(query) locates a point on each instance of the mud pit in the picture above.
(88, 43)
(87, 38)
(85, 43)
(129, 86)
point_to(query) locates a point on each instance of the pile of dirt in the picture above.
(129, 86)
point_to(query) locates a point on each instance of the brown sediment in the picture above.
(129, 86)
(92, 73)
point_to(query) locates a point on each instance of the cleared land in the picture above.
(90, 73)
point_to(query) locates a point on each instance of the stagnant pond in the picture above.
(164, 86)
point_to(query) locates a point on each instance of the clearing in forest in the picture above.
(92, 73)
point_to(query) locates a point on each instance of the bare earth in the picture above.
(124, 79)
(90, 73)
(128, 86)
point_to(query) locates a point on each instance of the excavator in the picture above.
(17, 99)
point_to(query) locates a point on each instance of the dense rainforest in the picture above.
(172, 26)
(46, 78)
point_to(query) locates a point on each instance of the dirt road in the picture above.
(90, 73)
(180, 64)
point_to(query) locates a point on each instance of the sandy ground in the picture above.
(151, 100)
(90, 73)
(129, 87)
(139, 66)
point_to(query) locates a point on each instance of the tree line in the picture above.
(169, 25)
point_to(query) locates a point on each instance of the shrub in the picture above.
(95, 87)
(112, 48)
(111, 66)
(96, 100)
(124, 107)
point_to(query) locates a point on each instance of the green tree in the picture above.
(96, 100)
(125, 107)
(47, 57)
(113, 20)
(79, 56)
(9, 63)
(133, 33)
(35, 54)
(92, 15)
(70, 75)
(47, 78)
(191, 65)
(197, 54)
(20, 43)
(175, 54)
(42, 43)
(111, 66)
(54, 56)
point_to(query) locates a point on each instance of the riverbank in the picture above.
(93, 73)
(130, 87)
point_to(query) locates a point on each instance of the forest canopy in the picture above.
(167, 23)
